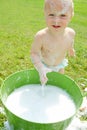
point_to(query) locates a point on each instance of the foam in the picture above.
(65, 3)
(29, 103)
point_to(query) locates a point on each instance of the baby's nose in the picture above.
(57, 20)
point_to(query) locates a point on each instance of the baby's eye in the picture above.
(51, 14)
(63, 15)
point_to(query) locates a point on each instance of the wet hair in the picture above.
(66, 4)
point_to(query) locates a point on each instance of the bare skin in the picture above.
(52, 43)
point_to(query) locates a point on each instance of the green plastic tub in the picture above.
(25, 77)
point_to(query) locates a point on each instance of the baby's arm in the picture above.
(36, 58)
(35, 52)
(71, 50)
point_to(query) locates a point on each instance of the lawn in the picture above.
(19, 22)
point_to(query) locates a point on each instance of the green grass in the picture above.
(20, 20)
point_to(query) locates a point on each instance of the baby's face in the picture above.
(58, 14)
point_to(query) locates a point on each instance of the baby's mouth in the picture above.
(54, 26)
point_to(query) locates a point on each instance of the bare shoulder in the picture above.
(38, 39)
(41, 33)
(70, 32)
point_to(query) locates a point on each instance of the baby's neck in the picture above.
(57, 33)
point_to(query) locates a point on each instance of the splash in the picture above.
(7, 126)
(43, 90)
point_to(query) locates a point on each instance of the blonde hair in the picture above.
(65, 3)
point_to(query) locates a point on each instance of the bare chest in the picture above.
(55, 46)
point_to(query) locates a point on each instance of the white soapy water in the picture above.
(29, 103)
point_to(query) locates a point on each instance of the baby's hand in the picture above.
(72, 52)
(43, 77)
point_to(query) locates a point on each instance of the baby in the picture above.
(52, 43)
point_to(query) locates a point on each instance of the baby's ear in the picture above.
(71, 16)
(72, 9)
(72, 13)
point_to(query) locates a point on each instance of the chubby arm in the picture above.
(36, 52)
(36, 58)
(71, 50)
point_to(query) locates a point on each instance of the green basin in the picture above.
(25, 77)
